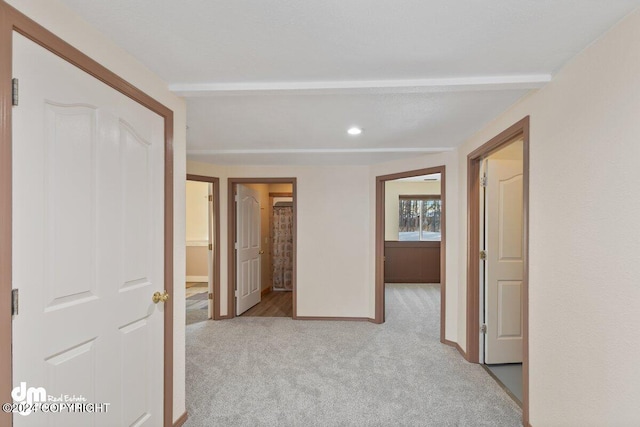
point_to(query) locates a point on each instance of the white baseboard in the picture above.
(198, 279)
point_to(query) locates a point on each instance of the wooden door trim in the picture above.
(12, 20)
(379, 243)
(231, 237)
(520, 128)
(216, 243)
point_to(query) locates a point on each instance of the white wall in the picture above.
(59, 20)
(333, 264)
(392, 192)
(584, 293)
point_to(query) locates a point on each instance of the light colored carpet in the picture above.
(257, 371)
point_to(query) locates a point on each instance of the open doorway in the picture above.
(202, 243)
(411, 234)
(497, 288)
(501, 275)
(262, 247)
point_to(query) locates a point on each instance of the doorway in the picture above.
(262, 247)
(497, 259)
(411, 233)
(202, 248)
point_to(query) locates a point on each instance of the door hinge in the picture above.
(211, 197)
(483, 328)
(236, 294)
(237, 198)
(483, 255)
(14, 302)
(14, 92)
(235, 245)
(210, 295)
(483, 181)
(210, 246)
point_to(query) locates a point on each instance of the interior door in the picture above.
(504, 264)
(87, 244)
(248, 270)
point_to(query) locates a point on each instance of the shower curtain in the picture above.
(282, 247)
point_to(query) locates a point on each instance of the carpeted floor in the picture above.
(259, 371)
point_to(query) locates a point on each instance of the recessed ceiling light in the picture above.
(354, 130)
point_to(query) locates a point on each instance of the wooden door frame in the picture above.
(231, 233)
(215, 182)
(379, 251)
(474, 159)
(12, 20)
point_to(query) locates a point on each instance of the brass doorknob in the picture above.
(261, 252)
(160, 297)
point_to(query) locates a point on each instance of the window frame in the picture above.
(421, 198)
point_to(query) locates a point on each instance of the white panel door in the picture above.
(504, 265)
(248, 249)
(87, 244)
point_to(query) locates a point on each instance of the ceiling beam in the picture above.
(455, 84)
(321, 151)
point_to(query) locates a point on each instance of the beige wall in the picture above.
(197, 212)
(280, 188)
(584, 297)
(392, 192)
(197, 264)
(58, 19)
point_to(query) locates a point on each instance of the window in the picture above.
(419, 218)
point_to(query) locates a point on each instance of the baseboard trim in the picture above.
(456, 346)
(203, 279)
(265, 291)
(348, 319)
(180, 421)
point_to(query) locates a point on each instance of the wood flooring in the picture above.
(273, 304)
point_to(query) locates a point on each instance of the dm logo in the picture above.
(29, 396)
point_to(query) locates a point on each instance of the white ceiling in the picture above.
(291, 76)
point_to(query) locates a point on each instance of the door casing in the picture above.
(474, 160)
(12, 20)
(231, 229)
